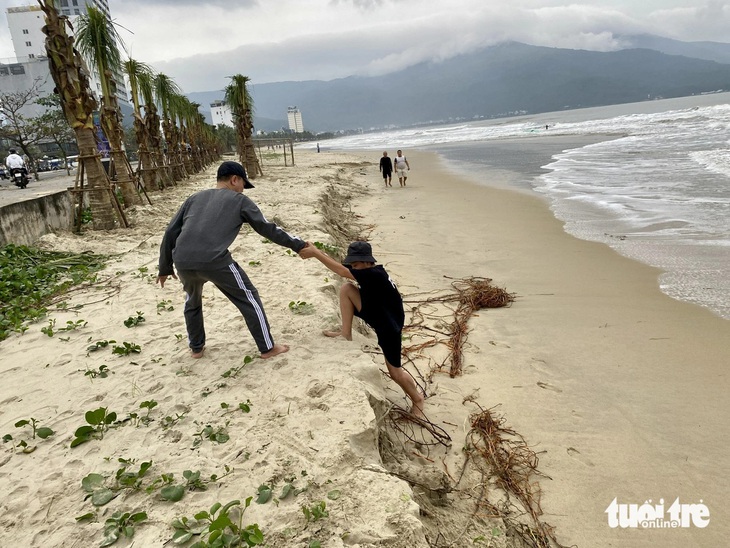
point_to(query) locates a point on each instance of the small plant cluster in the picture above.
(121, 523)
(22, 445)
(134, 321)
(145, 420)
(301, 307)
(142, 273)
(221, 526)
(164, 306)
(242, 406)
(30, 278)
(331, 250)
(70, 326)
(98, 422)
(125, 349)
(217, 434)
(312, 512)
(102, 372)
(233, 372)
(101, 420)
(101, 489)
(193, 481)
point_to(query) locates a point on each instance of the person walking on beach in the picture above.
(386, 168)
(196, 242)
(378, 303)
(402, 167)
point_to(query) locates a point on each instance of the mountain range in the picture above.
(500, 80)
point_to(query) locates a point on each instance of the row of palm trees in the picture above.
(174, 140)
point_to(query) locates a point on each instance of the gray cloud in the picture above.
(362, 4)
(195, 3)
(392, 46)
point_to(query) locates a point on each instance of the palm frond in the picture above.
(98, 41)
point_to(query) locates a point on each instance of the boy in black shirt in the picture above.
(377, 302)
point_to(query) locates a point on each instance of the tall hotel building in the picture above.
(295, 120)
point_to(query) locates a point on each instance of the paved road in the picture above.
(50, 182)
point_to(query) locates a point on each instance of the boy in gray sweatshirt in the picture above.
(196, 242)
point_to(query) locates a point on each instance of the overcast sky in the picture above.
(201, 42)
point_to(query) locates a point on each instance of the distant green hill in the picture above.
(495, 81)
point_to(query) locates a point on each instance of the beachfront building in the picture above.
(26, 24)
(295, 119)
(29, 42)
(20, 75)
(221, 114)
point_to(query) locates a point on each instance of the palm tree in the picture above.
(135, 70)
(195, 133)
(166, 90)
(152, 123)
(178, 107)
(78, 103)
(241, 103)
(97, 40)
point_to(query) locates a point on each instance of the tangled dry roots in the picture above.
(471, 295)
(513, 465)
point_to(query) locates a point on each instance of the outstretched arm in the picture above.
(340, 269)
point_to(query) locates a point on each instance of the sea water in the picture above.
(653, 182)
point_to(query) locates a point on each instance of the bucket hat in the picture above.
(359, 251)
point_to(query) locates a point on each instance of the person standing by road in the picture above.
(402, 167)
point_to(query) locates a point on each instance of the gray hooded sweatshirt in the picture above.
(198, 236)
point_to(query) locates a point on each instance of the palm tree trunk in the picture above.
(124, 178)
(103, 212)
(78, 105)
(251, 160)
(148, 170)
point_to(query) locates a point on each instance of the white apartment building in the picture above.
(295, 119)
(220, 112)
(26, 23)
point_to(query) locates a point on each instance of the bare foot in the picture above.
(199, 354)
(337, 333)
(275, 351)
(417, 409)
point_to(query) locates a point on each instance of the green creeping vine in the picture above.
(98, 421)
(220, 527)
(30, 278)
(42, 432)
(134, 321)
(121, 523)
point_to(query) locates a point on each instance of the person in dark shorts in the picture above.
(377, 302)
(386, 168)
(197, 241)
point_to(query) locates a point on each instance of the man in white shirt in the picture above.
(14, 161)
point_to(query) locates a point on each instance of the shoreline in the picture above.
(526, 156)
(621, 386)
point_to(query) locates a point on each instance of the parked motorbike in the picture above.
(19, 176)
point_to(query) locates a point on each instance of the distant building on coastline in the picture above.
(220, 112)
(295, 119)
(29, 42)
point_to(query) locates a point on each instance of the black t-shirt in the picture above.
(386, 165)
(382, 305)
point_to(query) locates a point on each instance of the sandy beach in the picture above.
(620, 390)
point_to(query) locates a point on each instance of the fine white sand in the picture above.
(620, 389)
